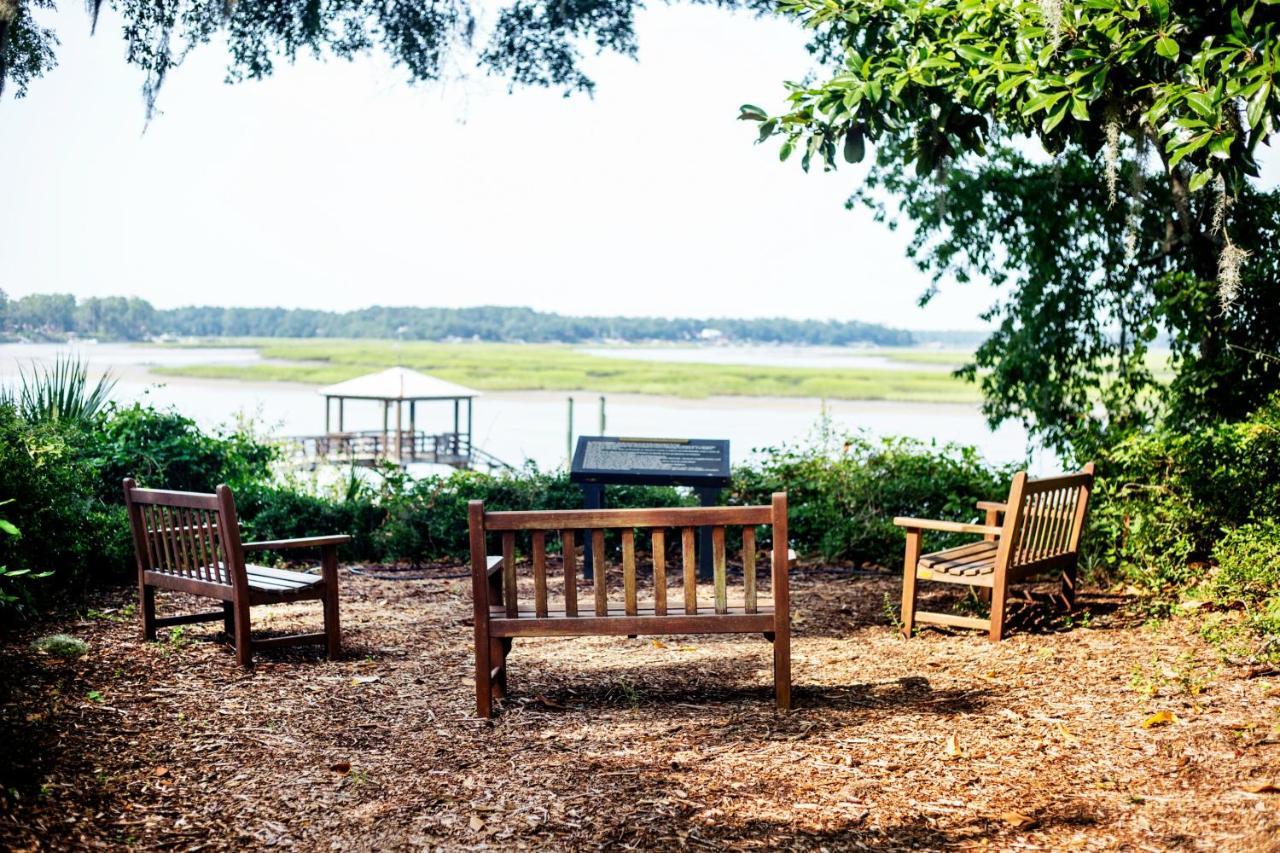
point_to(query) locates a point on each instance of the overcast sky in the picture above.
(337, 185)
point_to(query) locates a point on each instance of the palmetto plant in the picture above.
(60, 391)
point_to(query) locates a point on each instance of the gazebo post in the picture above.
(340, 399)
(470, 400)
(454, 440)
(386, 415)
(327, 407)
(413, 430)
(399, 431)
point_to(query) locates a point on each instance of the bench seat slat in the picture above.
(559, 625)
(644, 609)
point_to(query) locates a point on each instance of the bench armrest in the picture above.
(996, 506)
(493, 564)
(304, 542)
(947, 526)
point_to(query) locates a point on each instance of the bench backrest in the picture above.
(186, 534)
(1044, 518)
(574, 527)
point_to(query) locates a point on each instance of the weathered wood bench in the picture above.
(190, 542)
(1040, 535)
(500, 616)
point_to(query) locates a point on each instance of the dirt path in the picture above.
(945, 741)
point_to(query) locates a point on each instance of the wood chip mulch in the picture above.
(1094, 732)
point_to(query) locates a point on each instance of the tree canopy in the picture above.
(531, 42)
(1102, 249)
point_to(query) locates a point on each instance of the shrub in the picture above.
(67, 530)
(844, 491)
(1166, 497)
(427, 519)
(1248, 576)
(165, 449)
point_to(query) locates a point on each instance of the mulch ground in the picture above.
(944, 741)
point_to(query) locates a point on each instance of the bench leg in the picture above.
(244, 644)
(782, 668)
(148, 607)
(332, 627)
(909, 561)
(498, 647)
(999, 592)
(484, 669)
(1069, 588)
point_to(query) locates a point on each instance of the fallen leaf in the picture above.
(951, 748)
(476, 823)
(1017, 819)
(1066, 734)
(365, 679)
(550, 703)
(658, 644)
(1261, 788)
(160, 771)
(1159, 718)
(343, 767)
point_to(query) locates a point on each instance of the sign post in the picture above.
(702, 463)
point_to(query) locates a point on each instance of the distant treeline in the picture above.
(56, 315)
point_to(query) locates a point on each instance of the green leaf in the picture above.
(1042, 102)
(1079, 109)
(1051, 121)
(972, 54)
(750, 112)
(8, 527)
(1160, 8)
(785, 151)
(1198, 180)
(1221, 147)
(1237, 25)
(1167, 47)
(766, 129)
(1201, 103)
(1191, 147)
(1258, 105)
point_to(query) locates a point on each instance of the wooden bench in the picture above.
(190, 542)
(500, 616)
(1040, 535)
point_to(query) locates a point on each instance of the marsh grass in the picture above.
(538, 367)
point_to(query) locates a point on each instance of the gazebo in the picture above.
(393, 388)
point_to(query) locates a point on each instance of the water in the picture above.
(516, 426)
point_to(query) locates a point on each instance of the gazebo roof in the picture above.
(398, 383)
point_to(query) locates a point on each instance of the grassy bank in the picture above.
(530, 367)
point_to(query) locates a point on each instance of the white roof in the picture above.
(397, 383)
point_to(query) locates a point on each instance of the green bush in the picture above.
(844, 491)
(164, 449)
(1165, 498)
(427, 519)
(67, 529)
(268, 512)
(1248, 576)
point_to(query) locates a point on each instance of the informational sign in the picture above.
(698, 462)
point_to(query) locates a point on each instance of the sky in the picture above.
(338, 185)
